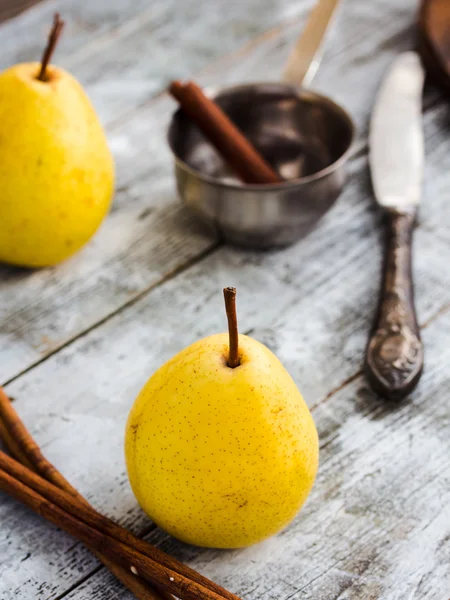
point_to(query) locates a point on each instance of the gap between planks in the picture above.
(347, 382)
(118, 310)
(360, 372)
(358, 151)
(244, 50)
(213, 66)
(125, 29)
(176, 271)
(240, 52)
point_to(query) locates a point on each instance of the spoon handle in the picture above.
(394, 357)
(305, 57)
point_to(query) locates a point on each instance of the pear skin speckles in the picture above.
(221, 457)
(56, 170)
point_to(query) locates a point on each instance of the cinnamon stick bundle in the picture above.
(22, 446)
(134, 561)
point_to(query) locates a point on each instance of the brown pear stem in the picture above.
(53, 38)
(229, 294)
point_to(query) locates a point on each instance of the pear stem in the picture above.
(229, 295)
(53, 38)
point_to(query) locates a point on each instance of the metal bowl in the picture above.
(305, 136)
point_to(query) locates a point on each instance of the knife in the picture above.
(394, 355)
(306, 55)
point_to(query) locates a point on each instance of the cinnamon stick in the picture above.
(29, 450)
(223, 134)
(21, 445)
(21, 483)
(12, 445)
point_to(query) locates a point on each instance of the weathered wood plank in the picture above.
(122, 74)
(22, 37)
(154, 230)
(124, 59)
(325, 290)
(9, 8)
(339, 546)
(377, 524)
(141, 242)
(355, 503)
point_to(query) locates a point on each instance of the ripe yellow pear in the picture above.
(56, 171)
(217, 456)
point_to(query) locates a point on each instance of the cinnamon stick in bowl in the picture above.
(223, 134)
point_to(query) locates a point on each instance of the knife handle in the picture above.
(394, 357)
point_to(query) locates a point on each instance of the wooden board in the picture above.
(148, 236)
(95, 379)
(377, 523)
(11, 8)
(378, 528)
(99, 375)
(131, 55)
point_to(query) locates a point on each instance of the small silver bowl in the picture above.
(306, 137)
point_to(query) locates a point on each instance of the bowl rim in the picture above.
(214, 92)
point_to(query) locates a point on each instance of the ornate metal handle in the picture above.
(394, 359)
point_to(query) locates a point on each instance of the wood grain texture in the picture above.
(24, 36)
(77, 400)
(148, 236)
(377, 524)
(11, 8)
(124, 59)
(263, 569)
(163, 237)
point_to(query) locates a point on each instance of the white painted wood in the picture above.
(86, 22)
(125, 53)
(377, 524)
(104, 382)
(77, 401)
(147, 236)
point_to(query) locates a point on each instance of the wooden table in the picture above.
(11, 8)
(78, 341)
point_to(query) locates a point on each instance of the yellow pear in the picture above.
(218, 456)
(56, 171)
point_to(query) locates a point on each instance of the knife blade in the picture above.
(394, 355)
(306, 55)
(396, 147)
